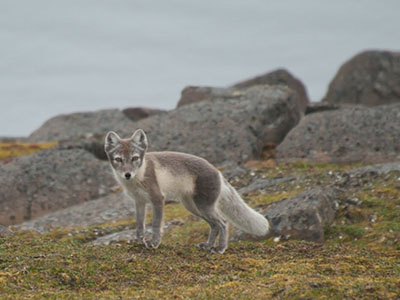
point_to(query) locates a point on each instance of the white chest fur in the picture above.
(135, 190)
(175, 187)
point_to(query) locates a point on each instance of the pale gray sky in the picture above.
(67, 56)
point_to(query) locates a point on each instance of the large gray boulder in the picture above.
(84, 124)
(49, 180)
(225, 130)
(370, 78)
(357, 134)
(195, 94)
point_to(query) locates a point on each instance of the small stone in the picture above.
(336, 204)
(354, 201)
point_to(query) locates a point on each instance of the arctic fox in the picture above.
(154, 177)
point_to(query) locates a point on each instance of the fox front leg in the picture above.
(140, 220)
(158, 215)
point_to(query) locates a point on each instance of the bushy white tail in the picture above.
(242, 216)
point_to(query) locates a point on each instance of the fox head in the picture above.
(126, 155)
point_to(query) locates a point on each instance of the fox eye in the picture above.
(118, 159)
(135, 158)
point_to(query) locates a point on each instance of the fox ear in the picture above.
(111, 140)
(139, 139)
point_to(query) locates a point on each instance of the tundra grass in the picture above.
(360, 258)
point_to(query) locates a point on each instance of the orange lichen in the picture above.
(11, 149)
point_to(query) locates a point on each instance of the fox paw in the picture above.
(152, 244)
(140, 239)
(204, 246)
(218, 249)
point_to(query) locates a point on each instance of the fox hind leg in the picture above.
(207, 192)
(218, 228)
(212, 236)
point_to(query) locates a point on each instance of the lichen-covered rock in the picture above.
(113, 207)
(302, 216)
(86, 124)
(49, 180)
(370, 78)
(231, 130)
(126, 236)
(378, 169)
(357, 134)
(195, 94)
(129, 235)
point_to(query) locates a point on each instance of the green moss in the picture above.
(262, 199)
(304, 167)
(353, 230)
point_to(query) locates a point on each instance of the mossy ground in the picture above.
(359, 260)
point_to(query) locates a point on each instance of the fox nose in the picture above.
(128, 175)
